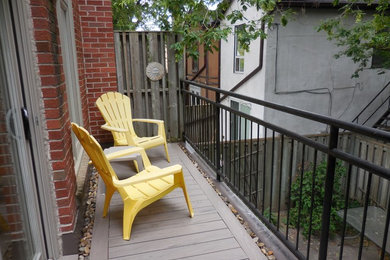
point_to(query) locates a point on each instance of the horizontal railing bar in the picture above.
(372, 100)
(379, 107)
(373, 132)
(381, 171)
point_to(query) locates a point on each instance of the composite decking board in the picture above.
(166, 233)
(175, 199)
(179, 214)
(245, 241)
(164, 215)
(187, 251)
(166, 224)
(155, 224)
(182, 212)
(100, 231)
(231, 254)
(169, 243)
(161, 208)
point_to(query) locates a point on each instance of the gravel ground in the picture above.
(89, 217)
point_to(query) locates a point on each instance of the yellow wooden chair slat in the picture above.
(116, 111)
(138, 191)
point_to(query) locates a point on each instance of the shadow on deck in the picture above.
(164, 229)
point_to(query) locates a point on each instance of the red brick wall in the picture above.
(99, 58)
(94, 41)
(56, 109)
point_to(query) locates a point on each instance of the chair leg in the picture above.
(109, 192)
(130, 210)
(183, 186)
(166, 151)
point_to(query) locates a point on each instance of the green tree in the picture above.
(196, 22)
(367, 35)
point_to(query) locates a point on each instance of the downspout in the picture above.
(219, 64)
(198, 73)
(254, 72)
(206, 63)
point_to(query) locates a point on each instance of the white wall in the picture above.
(299, 70)
(255, 86)
(299, 59)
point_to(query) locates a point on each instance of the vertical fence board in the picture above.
(149, 129)
(181, 69)
(164, 62)
(136, 80)
(154, 85)
(126, 63)
(172, 87)
(118, 60)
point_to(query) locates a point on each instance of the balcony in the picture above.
(164, 231)
(322, 196)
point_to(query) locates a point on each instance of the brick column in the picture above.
(56, 109)
(99, 58)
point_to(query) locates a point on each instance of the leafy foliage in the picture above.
(303, 200)
(195, 22)
(369, 32)
(198, 23)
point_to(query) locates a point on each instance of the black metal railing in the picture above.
(308, 190)
(381, 103)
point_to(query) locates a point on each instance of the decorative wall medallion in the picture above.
(155, 71)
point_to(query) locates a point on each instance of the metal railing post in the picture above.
(218, 138)
(327, 206)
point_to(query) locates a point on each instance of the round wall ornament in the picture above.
(155, 71)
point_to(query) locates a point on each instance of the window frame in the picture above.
(237, 56)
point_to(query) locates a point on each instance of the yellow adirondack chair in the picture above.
(137, 191)
(116, 111)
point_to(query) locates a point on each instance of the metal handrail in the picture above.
(356, 119)
(207, 124)
(353, 127)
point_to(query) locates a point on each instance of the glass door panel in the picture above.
(21, 234)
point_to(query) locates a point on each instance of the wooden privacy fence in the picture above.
(150, 99)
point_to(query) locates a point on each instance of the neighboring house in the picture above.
(205, 70)
(56, 58)
(295, 66)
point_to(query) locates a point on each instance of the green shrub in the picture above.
(319, 193)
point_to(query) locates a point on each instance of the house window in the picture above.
(238, 51)
(195, 90)
(239, 127)
(380, 59)
(195, 64)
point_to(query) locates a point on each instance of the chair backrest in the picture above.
(96, 154)
(116, 111)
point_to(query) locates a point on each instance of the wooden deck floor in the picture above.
(164, 229)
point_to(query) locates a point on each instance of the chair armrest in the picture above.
(114, 129)
(149, 176)
(124, 152)
(146, 120)
(160, 124)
